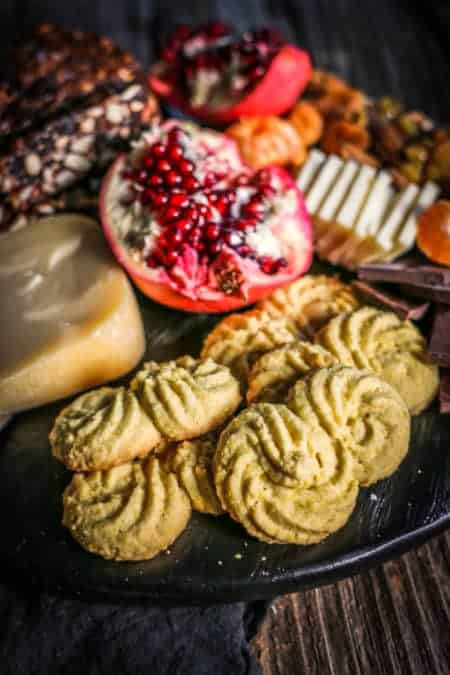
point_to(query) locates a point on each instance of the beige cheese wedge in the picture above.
(69, 319)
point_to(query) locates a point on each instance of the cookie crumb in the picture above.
(238, 556)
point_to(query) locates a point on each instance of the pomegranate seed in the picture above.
(221, 203)
(158, 150)
(209, 179)
(190, 184)
(232, 238)
(142, 176)
(199, 246)
(195, 235)
(175, 152)
(172, 213)
(266, 191)
(152, 262)
(147, 196)
(148, 162)
(176, 235)
(243, 250)
(245, 224)
(253, 208)
(268, 265)
(155, 180)
(172, 178)
(169, 55)
(256, 73)
(231, 196)
(181, 224)
(172, 256)
(176, 135)
(205, 211)
(178, 199)
(215, 247)
(163, 165)
(212, 231)
(242, 180)
(185, 166)
(160, 199)
(191, 213)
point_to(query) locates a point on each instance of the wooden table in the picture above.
(394, 619)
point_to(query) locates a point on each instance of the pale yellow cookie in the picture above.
(311, 301)
(192, 462)
(282, 478)
(187, 397)
(360, 411)
(239, 339)
(393, 349)
(274, 373)
(130, 512)
(101, 429)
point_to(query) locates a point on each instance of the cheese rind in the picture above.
(68, 316)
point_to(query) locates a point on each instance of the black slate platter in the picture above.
(213, 560)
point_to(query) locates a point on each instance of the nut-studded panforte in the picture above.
(71, 91)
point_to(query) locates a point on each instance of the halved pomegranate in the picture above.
(217, 76)
(195, 228)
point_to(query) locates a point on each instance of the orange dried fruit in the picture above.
(333, 97)
(433, 232)
(342, 133)
(264, 141)
(308, 121)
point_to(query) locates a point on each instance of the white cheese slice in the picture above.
(356, 197)
(323, 182)
(309, 170)
(427, 196)
(68, 316)
(337, 193)
(403, 205)
(376, 205)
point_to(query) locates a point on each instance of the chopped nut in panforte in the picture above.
(376, 295)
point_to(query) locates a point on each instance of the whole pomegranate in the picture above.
(214, 74)
(196, 228)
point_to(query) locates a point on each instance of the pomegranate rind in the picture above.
(258, 285)
(285, 79)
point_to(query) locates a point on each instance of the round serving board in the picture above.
(214, 560)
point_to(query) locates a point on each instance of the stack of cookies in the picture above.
(330, 386)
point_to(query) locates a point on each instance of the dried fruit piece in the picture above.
(308, 121)
(341, 134)
(268, 140)
(217, 76)
(334, 98)
(433, 233)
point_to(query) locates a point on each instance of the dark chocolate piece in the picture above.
(439, 347)
(440, 294)
(444, 392)
(406, 272)
(376, 295)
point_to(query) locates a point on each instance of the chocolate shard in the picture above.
(376, 295)
(444, 392)
(408, 272)
(439, 347)
(414, 278)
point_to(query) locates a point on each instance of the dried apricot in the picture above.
(308, 121)
(338, 134)
(433, 232)
(268, 140)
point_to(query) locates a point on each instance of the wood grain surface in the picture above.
(394, 619)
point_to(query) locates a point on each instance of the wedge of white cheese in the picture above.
(358, 214)
(68, 316)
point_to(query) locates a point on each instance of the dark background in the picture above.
(401, 47)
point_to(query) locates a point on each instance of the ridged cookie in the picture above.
(360, 411)
(101, 429)
(192, 463)
(393, 349)
(282, 478)
(130, 512)
(274, 373)
(239, 339)
(311, 301)
(187, 397)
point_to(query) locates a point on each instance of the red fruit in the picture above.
(194, 257)
(260, 75)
